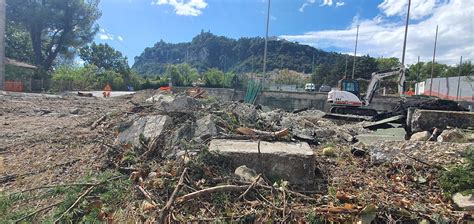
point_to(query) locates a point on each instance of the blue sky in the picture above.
(132, 25)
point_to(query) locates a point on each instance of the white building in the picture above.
(447, 88)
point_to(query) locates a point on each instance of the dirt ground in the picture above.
(48, 140)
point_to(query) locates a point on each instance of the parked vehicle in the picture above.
(325, 88)
(310, 87)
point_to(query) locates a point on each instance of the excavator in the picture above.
(347, 99)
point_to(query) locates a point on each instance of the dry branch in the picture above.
(165, 211)
(38, 211)
(207, 191)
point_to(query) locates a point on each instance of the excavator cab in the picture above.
(349, 85)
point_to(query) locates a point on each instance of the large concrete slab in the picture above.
(426, 120)
(293, 162)
(391, 134)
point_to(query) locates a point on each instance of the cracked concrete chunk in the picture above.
(293, 162)
(205, 128)
(151, 127)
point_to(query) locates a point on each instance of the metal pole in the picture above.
(266, 42)
(434, 57)
(459, 79)
(355, 53)
(345, 70)
(418, 72)
(406, 34)
(2, 43)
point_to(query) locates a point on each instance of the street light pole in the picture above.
(266, 42)
(355, 53)
(2, 43)
(459, 79)
(434, 57)
(406, 34)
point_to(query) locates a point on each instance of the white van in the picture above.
(310, 87)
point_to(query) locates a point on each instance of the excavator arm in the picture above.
(375, 81)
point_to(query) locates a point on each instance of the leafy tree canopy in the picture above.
(106, 57)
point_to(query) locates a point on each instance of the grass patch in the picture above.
(459, 178)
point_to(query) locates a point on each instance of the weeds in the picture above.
(459, 178)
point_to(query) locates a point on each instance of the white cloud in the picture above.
(381, 37)
(339, 4)
(323, 3)
(120, 38)
(184, 7)
(418, 9)
(103, 36)
(326, 2)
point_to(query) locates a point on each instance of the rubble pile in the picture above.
(198, 159)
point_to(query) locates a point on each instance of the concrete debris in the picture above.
(174, 104)
(451, 135)
(150, 127)
(420, 136)
(246, 113)
(465, 202)
(293, 162)
(426, 120)
(205, 128)
(75, 111)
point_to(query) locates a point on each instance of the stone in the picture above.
(420, 136)
(464, 202)
(152, 127)
(247, 174)
(151, 175)
(293, 162)
(75, 111)
(450, 135)
(205, 128)
(425, 120)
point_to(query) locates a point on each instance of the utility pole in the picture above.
(459, 79)
(266, 43)
(406, 34)
(2, 43)
(355, 53)
(434, 57)
(418, 70)
(345, 70)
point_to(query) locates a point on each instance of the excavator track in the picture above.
(360, 111)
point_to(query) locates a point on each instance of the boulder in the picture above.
(205, 128)
(420, 136)
(450, 135)
(464, 202)
(293, 162)
(151, 127)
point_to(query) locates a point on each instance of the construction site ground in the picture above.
(60, 162)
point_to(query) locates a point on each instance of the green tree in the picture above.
(106, 57)
(387, 63)
(213, 78)
(55, 27)
(18, 43)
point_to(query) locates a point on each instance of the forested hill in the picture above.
(207, 50)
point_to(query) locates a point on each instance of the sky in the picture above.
(132, 25)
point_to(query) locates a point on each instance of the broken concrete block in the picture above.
(450, 135)
(293, 162)
(420, 136)
(151, 127)
(464, 202)
(205, 128)
(173, 104)
(425, 120)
